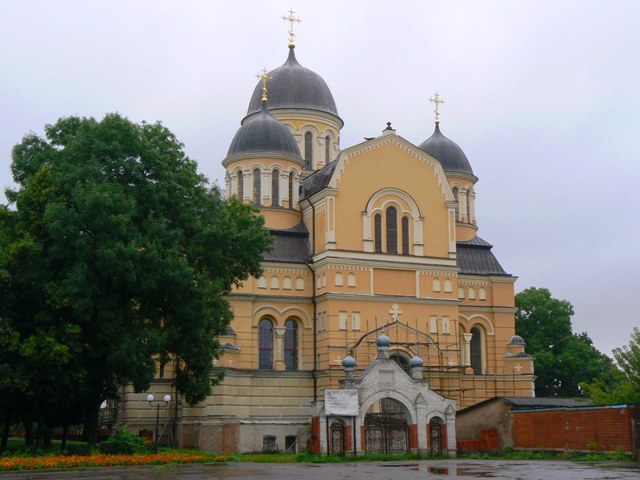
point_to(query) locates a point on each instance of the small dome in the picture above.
(383, 341)
(264, 134)
(416, 361)
(294, 86)
(349, 362)
(516, 340)
(447, 152)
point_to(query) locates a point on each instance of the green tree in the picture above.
(563, 359)
(628, 388)
(120, 256)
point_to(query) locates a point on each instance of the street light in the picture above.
(157, 404)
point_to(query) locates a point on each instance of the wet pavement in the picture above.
(428, 469)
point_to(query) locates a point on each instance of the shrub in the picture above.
(123, 442)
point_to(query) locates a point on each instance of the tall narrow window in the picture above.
(405, 235)
(291, 190)
(275, 188)
(455, 196)
(265, 345)
(291, 345)
(377, 226)
(308, 143)
(327, 153)
(392, 230)
(257, 193)
(240, 186)
(476, 351)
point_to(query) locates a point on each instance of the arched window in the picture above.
(447, 286)
(392, 230)
(291, 345)
(299, 283)
(377, 222)
(291, 190)
(286, 283)
(265, 345)
(455, 196)
(482, 294)
(476, 351)
(262, 282)
(339, 281)
(351, 280)
(275, 282)
(308, 144)
(436, 285)
(471, 295)
(327, 153)
(405, 235)
(275, 188)
(257, 191)
(240, 185)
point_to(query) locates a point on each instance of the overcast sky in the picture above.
(543, 97)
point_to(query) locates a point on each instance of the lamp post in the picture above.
(157, 404)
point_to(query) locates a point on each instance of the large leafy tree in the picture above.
(119, 255)
(628, 390)
(563, 359)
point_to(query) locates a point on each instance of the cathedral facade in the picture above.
(378, 292)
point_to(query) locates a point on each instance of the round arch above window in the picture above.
(392, 223)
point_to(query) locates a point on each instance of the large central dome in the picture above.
(296, 87)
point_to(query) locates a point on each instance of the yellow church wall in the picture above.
(280, 218)
(373, 165)
(394, 282)
(298, 124)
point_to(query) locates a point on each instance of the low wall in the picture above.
(607, 428)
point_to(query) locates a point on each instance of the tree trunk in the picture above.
(91, 418)
(5, 433)
(65, 434)
(28, 431)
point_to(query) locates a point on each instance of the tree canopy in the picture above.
(563, 359)
(115, 254)
(628, 389)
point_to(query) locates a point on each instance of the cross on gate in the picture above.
(395, 312)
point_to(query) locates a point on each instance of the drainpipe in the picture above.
(313, 302)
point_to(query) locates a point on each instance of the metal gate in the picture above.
(435, 432)
(386, 433)
(336, 441)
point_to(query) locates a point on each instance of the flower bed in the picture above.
(101, 460)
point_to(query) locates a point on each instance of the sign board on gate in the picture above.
(341, 402)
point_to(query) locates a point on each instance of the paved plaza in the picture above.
(433, 469)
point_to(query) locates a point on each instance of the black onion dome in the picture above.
(447, 152)
(294, 86)
(263, 134)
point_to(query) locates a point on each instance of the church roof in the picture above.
(475, 258)
(294, 86)
(318, 180)
(447, 152)
(264, 134)
(290, 245)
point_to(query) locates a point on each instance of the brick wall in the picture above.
(488, 441)
(594, 428)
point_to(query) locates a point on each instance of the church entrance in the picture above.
(385, 428)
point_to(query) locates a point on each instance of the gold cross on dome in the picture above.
(437, 100)
(291, 19)
(264, 76)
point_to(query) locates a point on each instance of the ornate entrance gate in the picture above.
(386, 433)
(336, 444)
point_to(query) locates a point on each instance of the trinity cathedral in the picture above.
(380, 311)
